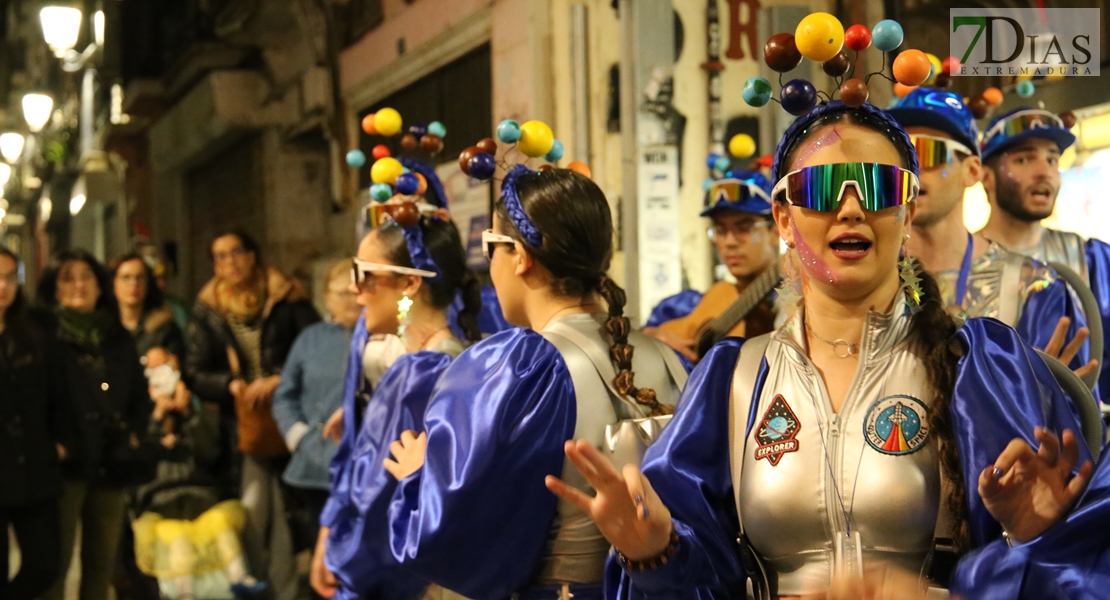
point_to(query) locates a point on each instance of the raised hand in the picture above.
(626, 508)
(1056, 348)
(1028, 491)
(408, 455)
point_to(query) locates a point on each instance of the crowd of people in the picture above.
(431, 439)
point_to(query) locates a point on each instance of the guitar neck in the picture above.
(750, 297)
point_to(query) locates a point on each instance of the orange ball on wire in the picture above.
(900, 89)
(912, 68)
(993, 96)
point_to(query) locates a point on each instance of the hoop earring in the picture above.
(911, 283)
(403, 306)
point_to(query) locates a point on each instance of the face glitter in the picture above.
(812, 264)
(824, 138)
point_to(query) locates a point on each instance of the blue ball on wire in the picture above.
(1025, 89)
(707, 183)
(381, 192)
(887, 35)
(356, 159)
(555, 153)
(798, 97)
(508, 131)
(481, 166)
(407, 184)
(418, 130)
(711, 160)
(722, 164)
(756, 92)
(437, 128)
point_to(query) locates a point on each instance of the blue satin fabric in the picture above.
(358, 545)
(339, 487)
(1003, 390)
(673, 307)
(1098, 272)
(1043, 310)
(1071, 560)
(490, 318)
(475, 519)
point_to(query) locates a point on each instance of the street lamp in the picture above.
(11, 146)
(36, 110)
(60, 26)
(5, 175)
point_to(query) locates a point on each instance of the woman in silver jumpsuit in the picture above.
(845, 448)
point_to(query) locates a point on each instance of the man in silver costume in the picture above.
(1021, 152)
(977, 277)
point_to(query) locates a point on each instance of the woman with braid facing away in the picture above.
(471, 513)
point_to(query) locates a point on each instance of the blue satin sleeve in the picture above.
(689, 467)
(358, 551)
(1043, 309)
(1098, 271)
(673, 307)
(1070, 560)
(476, 518)
(1003, 391)
(338, 485)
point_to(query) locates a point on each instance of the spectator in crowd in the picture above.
(142, 307)
(110, 412)
(32, 408)
(311, 389)
(240, 332)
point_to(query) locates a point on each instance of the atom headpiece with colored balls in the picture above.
(532, 139)
(820, 37)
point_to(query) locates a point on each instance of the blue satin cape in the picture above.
(358, 545)
(490, 318)
(1003, 390)
(1069, 561)
(339, 487)
(1098, 272)
(673, 307)
(475, 519)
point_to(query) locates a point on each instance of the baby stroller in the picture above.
(187, 535)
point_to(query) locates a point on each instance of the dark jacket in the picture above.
(33, 411)
(157, 329)
(110, 405)
(288, 310)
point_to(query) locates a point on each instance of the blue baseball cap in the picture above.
(1022, 124)
(744, 191)
(941, 110)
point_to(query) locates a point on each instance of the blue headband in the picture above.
(898, 135)
(434, 184)
(516, 209)
(418, 252)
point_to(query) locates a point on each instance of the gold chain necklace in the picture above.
(850, 348)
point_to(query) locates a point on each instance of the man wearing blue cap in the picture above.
(978, 278)
(747, 244)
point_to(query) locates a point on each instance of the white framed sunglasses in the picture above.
(361, 271)
(933, 151)
(490, 241)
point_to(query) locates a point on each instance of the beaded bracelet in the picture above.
(654, 562)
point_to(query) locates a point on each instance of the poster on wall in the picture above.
(469, 203)
(658, 216)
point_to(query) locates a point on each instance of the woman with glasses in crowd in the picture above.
(241, 330)
(409, 270)
(142, 308)
(110, 415)
(470, 513)
(33, 409)
(870, 392)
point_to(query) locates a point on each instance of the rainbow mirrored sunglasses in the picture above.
(821, 187)
(1021, 122)
(937, 151)
(733, 191)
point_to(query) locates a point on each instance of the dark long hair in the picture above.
(442, 240)
(17, 323)
(47, 292)
(932, 329)
(573, 216)
(154, 298)
(247, 240)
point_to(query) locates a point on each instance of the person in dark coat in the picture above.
(32, 411)
(142, 307)
(240, 332)
(110, 414)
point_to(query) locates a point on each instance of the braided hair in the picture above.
(575, 228)
(932, 329)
